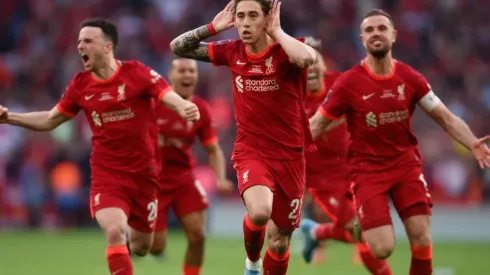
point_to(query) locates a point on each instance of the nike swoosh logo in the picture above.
(240, 63)
(88, 97)
(367, 96)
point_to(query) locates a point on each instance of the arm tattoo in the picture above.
(189, 44)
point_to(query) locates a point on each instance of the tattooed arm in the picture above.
(189, 44)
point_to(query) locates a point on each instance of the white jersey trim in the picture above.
(429, 101)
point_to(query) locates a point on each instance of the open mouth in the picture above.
(246, 33)
(187, 84)
(84, 57)
(312, 76)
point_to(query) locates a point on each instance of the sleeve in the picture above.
(425, 97)
(207, 132)
(69, 104)
(156, 85)
(220, 52)
(337, 101)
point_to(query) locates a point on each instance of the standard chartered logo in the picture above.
(371, 120)
(96, 119)
(239, 83)
(259, 85)
(386, 118)
(109, 117)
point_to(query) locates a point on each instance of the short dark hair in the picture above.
(108, 28)
(376, 12)
(265, 5)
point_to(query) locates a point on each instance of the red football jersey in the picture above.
(176, 137)
(378, 111)
(331, 158)
(121, 114)
(268, 95)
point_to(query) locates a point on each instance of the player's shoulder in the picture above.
(81, 80)
(230, 43)
(132, 64)
(349, 77)
(331, 75)
(407, 72)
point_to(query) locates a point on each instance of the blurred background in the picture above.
(44, 177)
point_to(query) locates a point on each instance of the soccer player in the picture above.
(118, 99)
(378, 97)
(179, 188)
(328, 178)
(269, 89)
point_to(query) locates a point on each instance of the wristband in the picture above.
(211, 29)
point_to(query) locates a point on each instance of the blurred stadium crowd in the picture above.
(44, 177)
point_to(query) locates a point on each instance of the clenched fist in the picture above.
(4, 114)
(190, 112)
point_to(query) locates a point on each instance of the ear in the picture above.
(395, 35)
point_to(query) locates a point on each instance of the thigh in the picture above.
(411, 196)
(289, 177)
(190, 197)
(112, 196)
(371, 202)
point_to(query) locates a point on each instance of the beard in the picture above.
(380, 53)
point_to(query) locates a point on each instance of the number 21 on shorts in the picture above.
(296, 207)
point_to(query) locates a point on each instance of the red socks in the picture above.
(375, 266)
(119, 260)
(254, 238)
(421, 260)
(330, 231)
(275, 264)
(191, 270)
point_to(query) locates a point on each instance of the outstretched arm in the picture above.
(37, 121)
(190, 45)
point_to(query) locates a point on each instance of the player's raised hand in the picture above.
(273, 19)
(225, 186)
(190, 112)
(481, 152)
(4, 114)
(225, 19)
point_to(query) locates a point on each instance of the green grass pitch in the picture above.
(83, 253)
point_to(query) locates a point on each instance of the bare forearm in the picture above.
(459, 130)
(189, 44)
(174, 101)
(36, 121)
(299, 52)
(319, 124)
(217, 163)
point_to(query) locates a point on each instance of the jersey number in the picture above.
(153, 210)
(295, 205)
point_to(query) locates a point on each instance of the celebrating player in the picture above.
(328, 177)
(180, 189)
(269, 83)
(378, 97)
(117, 98)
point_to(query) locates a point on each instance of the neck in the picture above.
(107, 69)
(263, 43)
(380, 66)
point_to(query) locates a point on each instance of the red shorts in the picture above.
(285, 178)
(406, 187)
(188, 197)
(337, 205)
(135, 195)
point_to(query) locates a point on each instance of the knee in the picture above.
(157, 247)
(420, 235)
(196, 238)
(140, 248)
(381, 250)
(260, 215)
(115, 234)
(279, 244)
